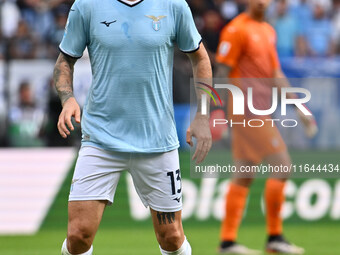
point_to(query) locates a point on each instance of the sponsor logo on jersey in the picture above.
(107, 24)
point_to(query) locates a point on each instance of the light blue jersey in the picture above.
(129, 107)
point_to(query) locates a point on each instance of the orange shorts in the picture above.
(255, 143)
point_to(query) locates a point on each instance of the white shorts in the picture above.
(156, 177)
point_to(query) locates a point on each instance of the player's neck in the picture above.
(260, 17)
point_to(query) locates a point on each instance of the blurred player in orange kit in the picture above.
(247, 50)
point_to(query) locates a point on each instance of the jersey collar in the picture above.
(129, 3)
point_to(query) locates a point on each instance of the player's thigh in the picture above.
(279, 159)
(255, 144)
(157, 179)
(97, 174)
(84, 218)
(243, 177)
(168, 228)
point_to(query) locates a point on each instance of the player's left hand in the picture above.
(70, 109)
(200, 129)
(309, 123)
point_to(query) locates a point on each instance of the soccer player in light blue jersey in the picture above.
(128, 119)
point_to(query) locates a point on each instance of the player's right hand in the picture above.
(310, 125)
(70, 109)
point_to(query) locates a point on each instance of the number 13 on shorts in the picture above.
(175, 181)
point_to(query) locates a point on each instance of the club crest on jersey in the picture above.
(156, 21)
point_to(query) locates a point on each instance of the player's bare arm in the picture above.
(63, 81)
(199, 128)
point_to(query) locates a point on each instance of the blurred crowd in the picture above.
(303, 27)
(33, 29)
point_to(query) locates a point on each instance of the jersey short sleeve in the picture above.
(274, 54)
(75, 36)
(187, 37)
(230, 46)
(275, 58)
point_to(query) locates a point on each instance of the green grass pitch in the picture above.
(318, 239)
(119, 234)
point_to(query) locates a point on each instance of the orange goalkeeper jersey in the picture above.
(248, 47)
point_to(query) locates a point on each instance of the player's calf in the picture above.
(170, 239)
(169, 233)
(83, 222)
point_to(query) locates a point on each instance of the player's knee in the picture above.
(171, 240)
(80, 237)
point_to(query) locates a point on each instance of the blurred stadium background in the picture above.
(36, 165)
